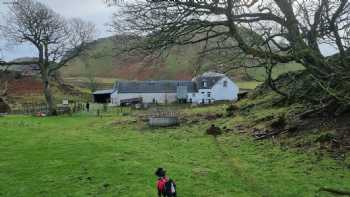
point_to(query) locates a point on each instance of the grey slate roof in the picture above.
(163, 86)
(210, 81)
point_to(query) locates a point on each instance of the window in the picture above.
(205, 84)
(225, 83)
(203, 92)
(209, 94)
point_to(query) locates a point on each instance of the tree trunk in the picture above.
(48, 94)
(4, 107)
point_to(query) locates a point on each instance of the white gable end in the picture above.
(225, 89)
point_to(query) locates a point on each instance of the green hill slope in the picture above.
(98, 66)
(103, 63)
(179, 63)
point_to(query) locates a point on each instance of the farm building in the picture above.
(206, 88)
(163, 91)
(102, 96)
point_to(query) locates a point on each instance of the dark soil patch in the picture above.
(214, 131)
(279, 123)
(213, 116)
(231, 110)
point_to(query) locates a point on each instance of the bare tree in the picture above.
(56, 39)
(4, 107)
(286, 30)
(3, 90)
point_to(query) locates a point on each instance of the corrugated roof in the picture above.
(110, 91)
(163, 86)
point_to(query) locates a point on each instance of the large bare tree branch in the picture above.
(278, 30)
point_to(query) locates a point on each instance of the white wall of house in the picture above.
(223, 90)
(200, 96)
(147, 97)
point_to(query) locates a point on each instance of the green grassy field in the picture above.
(260, 73)
(85, 155)
(248, 85)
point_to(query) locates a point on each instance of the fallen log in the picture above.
(335, 191)
(307, 113)
(319, 109)
(271, 134)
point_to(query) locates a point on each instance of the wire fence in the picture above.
(103, 110)
(34, 108)
(78, 107)
(94, 109)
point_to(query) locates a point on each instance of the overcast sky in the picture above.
(91, 10)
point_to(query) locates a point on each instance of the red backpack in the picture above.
(161, 184)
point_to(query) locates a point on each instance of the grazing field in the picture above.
(116, 155)
(247, 85)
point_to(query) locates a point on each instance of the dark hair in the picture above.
(160, 172)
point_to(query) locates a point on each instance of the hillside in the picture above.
(24, 89)
(102, 68)
(104, 64)
(179, 63)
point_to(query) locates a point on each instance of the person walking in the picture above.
(87, 106)
(166, 187)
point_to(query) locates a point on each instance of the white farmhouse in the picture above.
(212, 87)
(206, 88)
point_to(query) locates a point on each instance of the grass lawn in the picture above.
(114, 156)
(260, 73)
(248, 85)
